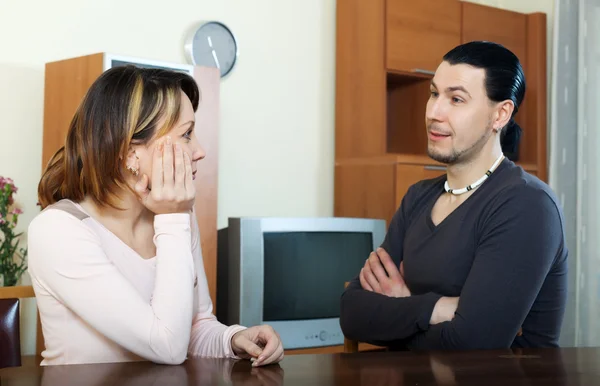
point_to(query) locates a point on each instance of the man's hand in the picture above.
(444, 310)
(381, 275)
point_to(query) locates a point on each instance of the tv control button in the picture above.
(323, 335)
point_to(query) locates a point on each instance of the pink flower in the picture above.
(8, 181)
(17, 211)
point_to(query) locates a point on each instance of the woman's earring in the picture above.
(133, 170)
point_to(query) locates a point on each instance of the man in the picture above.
(476, 258)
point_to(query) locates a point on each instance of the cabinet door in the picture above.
(364, 190)
(360, 78)
(407, 175)
(420, 32)
(480, 22)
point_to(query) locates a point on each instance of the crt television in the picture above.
(290, 273)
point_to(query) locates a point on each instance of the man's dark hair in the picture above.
(504, 79)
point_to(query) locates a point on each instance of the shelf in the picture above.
(409, 159)
(395, 76)
(407, 94)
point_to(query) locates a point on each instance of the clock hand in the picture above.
(214, 54)
(216, 60)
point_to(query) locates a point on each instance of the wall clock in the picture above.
(212, 44)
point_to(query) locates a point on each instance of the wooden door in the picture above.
(420, 32)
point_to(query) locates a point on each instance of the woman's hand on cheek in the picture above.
(173, 189)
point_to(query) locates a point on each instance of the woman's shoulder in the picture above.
(61, 212)
(56, 221)
(58, 236)
(66, 207)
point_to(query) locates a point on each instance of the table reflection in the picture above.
(205, 371)
(450, 368)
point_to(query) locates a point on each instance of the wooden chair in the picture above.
(25, 292)
(350, 345)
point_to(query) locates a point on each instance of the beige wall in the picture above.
(277, 116)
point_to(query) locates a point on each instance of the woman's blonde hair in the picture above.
(126, 105)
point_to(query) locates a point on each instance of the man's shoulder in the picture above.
(518, 195)
(517, 183)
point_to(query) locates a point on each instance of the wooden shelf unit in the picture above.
(386, 55)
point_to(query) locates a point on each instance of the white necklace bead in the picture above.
(487, 174)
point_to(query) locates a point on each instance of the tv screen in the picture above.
(304, 272)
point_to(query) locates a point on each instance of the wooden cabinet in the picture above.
(67, 81)
(375, 189)
(524, 35)
(406, 101)
(481, 23)
(420, 32)
(386, 53)
(365, 190)
(360, 71)
(407, 174)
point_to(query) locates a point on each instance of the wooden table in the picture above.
(548, 367)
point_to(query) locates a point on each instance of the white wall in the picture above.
(277, 115)
(280, 93)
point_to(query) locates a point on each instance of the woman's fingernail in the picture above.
(168, 139)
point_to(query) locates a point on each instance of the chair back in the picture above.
(350, 345)
(10, 333)
(26, 292)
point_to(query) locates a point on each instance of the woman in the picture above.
(115, 255)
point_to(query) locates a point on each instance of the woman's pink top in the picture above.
(100, 301)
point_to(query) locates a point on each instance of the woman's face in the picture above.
(182, 133)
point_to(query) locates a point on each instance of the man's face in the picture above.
(459, 114)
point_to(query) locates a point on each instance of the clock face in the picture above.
(213, 45)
